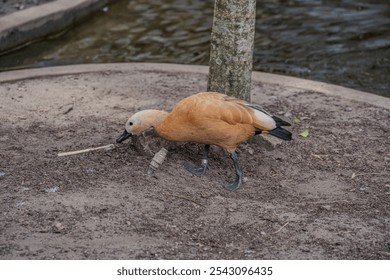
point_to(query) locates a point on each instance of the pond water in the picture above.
(344, 42)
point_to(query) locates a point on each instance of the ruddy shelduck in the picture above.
(209, 118)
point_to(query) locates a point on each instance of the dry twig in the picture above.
(106, 147)
(283, 226)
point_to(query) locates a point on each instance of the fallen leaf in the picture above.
(296, 120)
(304, 133)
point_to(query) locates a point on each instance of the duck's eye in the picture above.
(130, 123)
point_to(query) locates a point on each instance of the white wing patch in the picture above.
(263, 117)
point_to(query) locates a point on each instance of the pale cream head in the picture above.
(143, 120)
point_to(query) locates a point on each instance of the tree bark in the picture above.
(231, 51)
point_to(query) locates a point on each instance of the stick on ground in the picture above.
(282, 227)
(107, 147)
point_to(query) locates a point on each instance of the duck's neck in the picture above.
(156, 117)
(167, 128)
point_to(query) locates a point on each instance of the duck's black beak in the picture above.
(123, 137)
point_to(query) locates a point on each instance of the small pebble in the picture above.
(2, 174)
(52, 190)
(365, 190)
(326, 207)
(58, 227)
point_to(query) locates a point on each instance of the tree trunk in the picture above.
(231, 53)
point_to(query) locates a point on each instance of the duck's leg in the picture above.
(199, 170)
(237, 183)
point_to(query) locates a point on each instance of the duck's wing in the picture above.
(278, 121)
(206, 106)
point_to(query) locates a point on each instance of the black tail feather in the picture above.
(281, 133)
(280, 122)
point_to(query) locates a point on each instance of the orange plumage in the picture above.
(212, 119)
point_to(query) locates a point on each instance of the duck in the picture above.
(209, 118)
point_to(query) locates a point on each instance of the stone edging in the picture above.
(24, 26)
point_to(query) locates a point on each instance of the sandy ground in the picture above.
(326, 196)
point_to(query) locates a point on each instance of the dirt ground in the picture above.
(326, 196)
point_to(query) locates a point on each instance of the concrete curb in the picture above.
(325, 88)
(290, 82)
(24, 26)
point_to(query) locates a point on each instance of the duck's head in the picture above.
(140, 122)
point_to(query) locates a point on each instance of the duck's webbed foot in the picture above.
(199, 170)
(196, 170)
(236, 183)
(232, 186)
